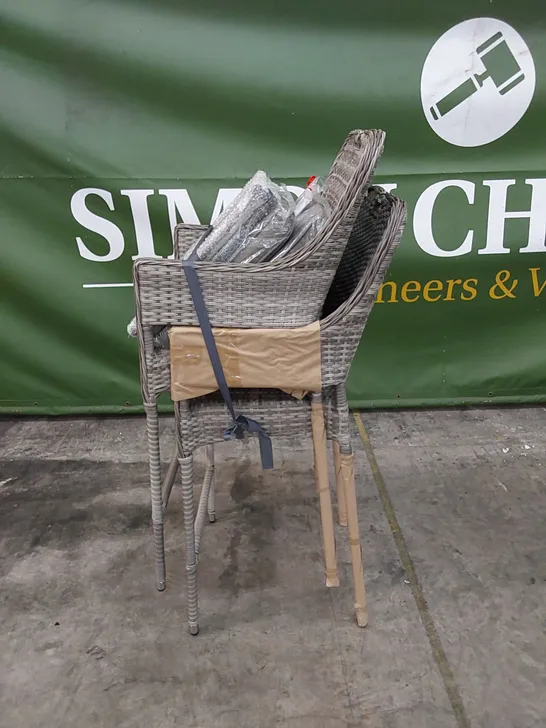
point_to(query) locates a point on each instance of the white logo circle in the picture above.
(477, 82)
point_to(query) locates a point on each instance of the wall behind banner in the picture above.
(121, 117)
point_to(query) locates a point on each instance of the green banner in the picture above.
(123, 117)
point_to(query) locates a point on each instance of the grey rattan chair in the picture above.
(285, 294)
(199, 422)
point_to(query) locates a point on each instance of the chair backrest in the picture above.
(360, 150)
(364, 240)
(374, 240)
(344, 187)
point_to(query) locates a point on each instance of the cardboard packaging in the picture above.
(286, 359)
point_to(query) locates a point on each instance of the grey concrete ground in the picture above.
(458, 640)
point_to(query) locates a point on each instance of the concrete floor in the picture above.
(454, 538)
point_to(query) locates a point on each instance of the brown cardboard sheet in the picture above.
(287, 359)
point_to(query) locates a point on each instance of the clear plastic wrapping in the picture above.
(160, 333)
(263, 223)
(132, 328)
(310, 214)
(253, 226)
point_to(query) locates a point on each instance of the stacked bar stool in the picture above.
(294, 288)
(343, 307)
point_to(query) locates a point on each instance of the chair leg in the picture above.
(168, 483)
(323, 487)
(186, 469)
(211, 508)
(340, 487)
(348, 476)
(152, 428)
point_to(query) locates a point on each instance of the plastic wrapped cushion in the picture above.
(253, 226)
(160, 333)
(132, 327)
(310, 214)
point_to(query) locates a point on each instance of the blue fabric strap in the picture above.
(240, 423)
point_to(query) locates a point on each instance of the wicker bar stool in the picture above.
(325, 414)
(286, 294)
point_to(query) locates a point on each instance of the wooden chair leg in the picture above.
(323, 487)
(186, 468)
(340, 487)
(348, 475)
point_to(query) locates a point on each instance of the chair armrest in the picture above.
(261, 295)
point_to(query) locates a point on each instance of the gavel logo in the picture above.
(501, 67)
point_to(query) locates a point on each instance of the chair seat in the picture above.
(204, 419)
